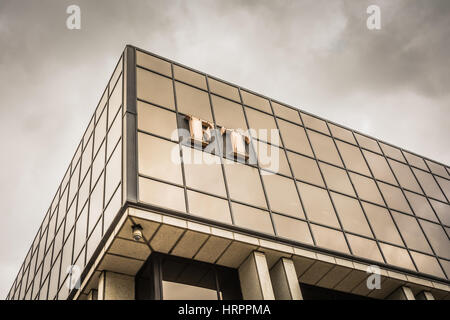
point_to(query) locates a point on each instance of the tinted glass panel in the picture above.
(405, 176)
(155, 88)
(353, 158)
(263, 126)
(292, 229)
(420, 206)
(161, 194)
(251, 218)
(330, 239)
(411, 232)
(351, 214)
(428, 184)
(285, 112)
(294, 137)
(157, 120)
(397, 256)
(305, 169)
(283, 195)
(223, 89)
(255, 101)
(318, 205)
(193, 101)
(324, 148)
(382, 224)
(153, 63)
(392, 152)
(228, 114)
(379, 166)
(337, 179)
(415, 161)
(442, 210)
(394, 198)
(366, 188)
(427, 264)
(209, 207)
(315, 123)
(368, 143)
(189, 76)
(365, 248)
(342, 133)
(159, 158)
(437, 237)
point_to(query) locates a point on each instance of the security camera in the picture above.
(137, 232)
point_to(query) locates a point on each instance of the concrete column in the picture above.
(285, 281)
(402, 293)
(424, 295)
(255, 278)
(115, 286)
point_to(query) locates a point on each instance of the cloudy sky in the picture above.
(391, 83)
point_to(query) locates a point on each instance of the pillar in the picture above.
(285, 281)
(255, 278)
(115, 286)
(402, 293)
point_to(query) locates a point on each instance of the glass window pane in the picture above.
(94, 240)
(203, 171)
(411, 232)
(442, 210)
(394, 197)
(252, 218)
(318, 205)
(86, 159)
(263, 126)
(101, 105)
(427, 264)
(420, 206)
(154, 88)
(392, 152)
(341, 133)
(96, 204)
(282, 195)
(397, 256)
(305, 169)
(351, 215)
(228, 114)
(336, 179)
(80, 233)
(98, 165)
(209, 207)
(324, 148)
(115, 101)
(405, 176)
(73, 187)
(368, 143)
(438, 169)
(117, 72)
(292, 229)
(83, 194)
(272, 158)
(415, 161)
(113, 173)
(256, 102)
(330, 239)
(285, 112)
(181, 291)
(157, 120)
(100, 132)
(366, 188)
(112, 208)
(114, 135)
(294, 137)
(193, 101)
(244, 183)
(364, 248)
(353, 158)
(190, 77)
(315, 123)
(161, 194)
(428, 184)
(382, 224)
(159, 158)
(437, 237)
(379, 166)
(446, 266)
(445, 186)
(153, 63)
(223, 89)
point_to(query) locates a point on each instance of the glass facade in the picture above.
(320, 185)
(83, 208)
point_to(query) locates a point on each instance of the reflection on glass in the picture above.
(161, 194)
(263, 126)
(228, 114)
(190, 77)
(397, 256)
(368, 143)
(411, 232)
(405, 176)
(428, 184)
(256, 102)
(351, 214)
(341, 133)
(252, 218)
(285, 112)
(427, 264)
(294, 137)
(415, 161)
(353, 158)
(305, 169)
(318, 205)
(314, 123)
(364, 248)
(283, 195)
(292, 229)
(154, 88)
(324, 148)
(394, 197)
(366, 188)
(437, 237)
(153, 63)
(337, 179)
(330, 239)
(223, 89)
(392, 152)
(382, 224)
(379, 166)
(156, 120)
(209, 207)
(191, 101)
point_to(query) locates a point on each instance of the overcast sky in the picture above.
(391, 83)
